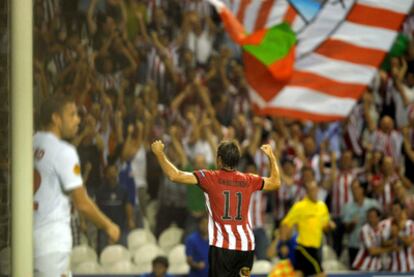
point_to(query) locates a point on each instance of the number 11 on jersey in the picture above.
(227, 195)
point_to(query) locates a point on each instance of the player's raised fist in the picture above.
(267, 149)
(157, 147)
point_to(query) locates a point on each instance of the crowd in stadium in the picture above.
(142, 70)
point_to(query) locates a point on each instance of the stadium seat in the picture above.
(113, 254)
(136, 239)
(179, 269)
(170, 238)
(261, 267)
(81, 254)
(334, 266)
(139, 237)
(342, 267)
(328, 254)
(146, 253)
(177, 255)
(150, 236)
(329, 266)
(125, 267)
(5, 261)
(143, 268)
(90, 267)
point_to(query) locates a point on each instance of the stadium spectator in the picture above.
(406, 198)
(354, 217)
(90, 146)
(290, 192)
(133, 169)
(329, 134)
(128, 184)
(387, 140)
(369, 255)
(341, 195)
(172, 196)
(257, 213)
(384, 186)
(196, 249)
(114, 202)
(311, 157)
(195, 196)
(398, 232)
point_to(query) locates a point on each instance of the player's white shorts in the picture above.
(52, 265)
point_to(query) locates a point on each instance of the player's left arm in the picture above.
(273, 181)
(169, 169)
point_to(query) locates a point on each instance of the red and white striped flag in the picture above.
(337, 55)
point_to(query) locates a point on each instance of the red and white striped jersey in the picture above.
(402, 260)
(228, 196)
(341, 191)
(286, 196)
(389, 144)
(370, 237)
(386, 197)
(257, 211)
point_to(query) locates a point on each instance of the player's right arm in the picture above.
(273, 181)
(170, 170)
(88, 208)
(68, 169)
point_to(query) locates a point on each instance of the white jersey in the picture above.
(57, 168)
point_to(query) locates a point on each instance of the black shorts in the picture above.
(307, 260)
(228, 263)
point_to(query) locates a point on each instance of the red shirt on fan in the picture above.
(227, 196)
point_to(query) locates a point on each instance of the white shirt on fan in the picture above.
(57, 163)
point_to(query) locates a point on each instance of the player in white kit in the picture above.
(58, 181)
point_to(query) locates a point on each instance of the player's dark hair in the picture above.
(229, 153)
(51, 105)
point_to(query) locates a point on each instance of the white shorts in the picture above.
(52, 265)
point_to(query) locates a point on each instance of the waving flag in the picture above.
(341, 44)
(273, 48)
